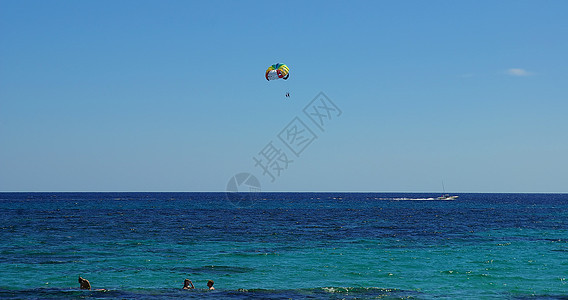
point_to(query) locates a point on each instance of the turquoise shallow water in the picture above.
(284, 245)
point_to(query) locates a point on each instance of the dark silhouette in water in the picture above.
(187, 284)
(84, 284)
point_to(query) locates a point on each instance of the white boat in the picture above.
(447, 197)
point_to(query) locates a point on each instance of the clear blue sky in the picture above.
(171, 95)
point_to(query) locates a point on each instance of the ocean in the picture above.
(283, 246)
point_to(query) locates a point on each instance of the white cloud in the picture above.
(518, 72)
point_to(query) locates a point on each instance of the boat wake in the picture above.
(441, 198)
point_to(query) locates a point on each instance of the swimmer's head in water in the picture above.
(84, 284)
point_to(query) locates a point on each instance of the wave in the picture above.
(370, 291)
(308, 293)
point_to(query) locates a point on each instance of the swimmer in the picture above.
(210, 284)
(187, 284)
(84, 284)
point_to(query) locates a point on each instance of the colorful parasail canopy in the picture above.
(277, 71)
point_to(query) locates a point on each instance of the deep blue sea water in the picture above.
(284, 246)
